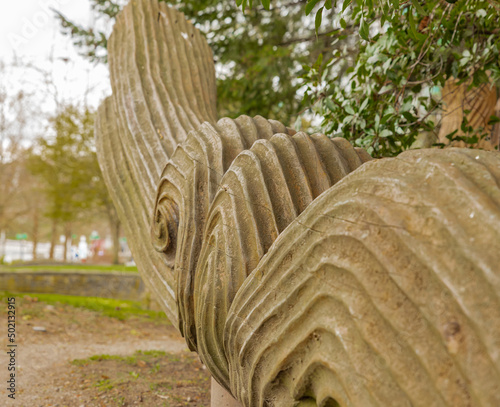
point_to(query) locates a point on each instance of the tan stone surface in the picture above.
(248, 184)
(385, 291)
(264, 190)
(187, 187)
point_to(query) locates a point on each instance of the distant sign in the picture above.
(94, 236)
(21, 236)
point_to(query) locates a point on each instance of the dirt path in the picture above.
(46, 377)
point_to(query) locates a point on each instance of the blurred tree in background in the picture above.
(50, 180)
(65, 162)
(15, 112)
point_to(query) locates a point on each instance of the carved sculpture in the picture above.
(301, 271)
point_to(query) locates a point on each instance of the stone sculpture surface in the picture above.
(300, 270)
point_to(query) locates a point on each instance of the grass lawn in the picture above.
(119, 309)
(69, 268)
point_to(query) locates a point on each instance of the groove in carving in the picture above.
(264, 190)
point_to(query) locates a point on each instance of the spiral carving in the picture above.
(261, 193)
(189, 183)
(165, 225)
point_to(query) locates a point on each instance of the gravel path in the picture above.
(45, 377)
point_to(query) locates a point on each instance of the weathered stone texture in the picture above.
(383, 292)
(223, 198)
(187, 187)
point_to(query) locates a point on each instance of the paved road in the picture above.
(23, 250)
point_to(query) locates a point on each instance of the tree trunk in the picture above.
(495, 134)
(3, 240)
(35, 231)
(53, 239)
(67, 236)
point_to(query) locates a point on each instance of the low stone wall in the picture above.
(124, 286)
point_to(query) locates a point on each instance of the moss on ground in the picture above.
(119, 309)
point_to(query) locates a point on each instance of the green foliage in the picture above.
(259, 53)
(370, 71)
(93, 41)
(381, 88)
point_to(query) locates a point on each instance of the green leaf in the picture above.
(266, 4)
(418, 7)
(409, 117)
(328, 4)
(395, 4)
(310, 5)
(413, 30)
(364, 30)
(349, 110)
(345, 4)
(329, 104)
(319, 17)
(481, 13)
(343, 24)
(318, 62)
(347, 120)
(377, 122)
(406, 106)
(385, 133)
(480, 77)
(493, 119)
(363, 105)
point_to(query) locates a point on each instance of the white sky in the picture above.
(30, 32)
